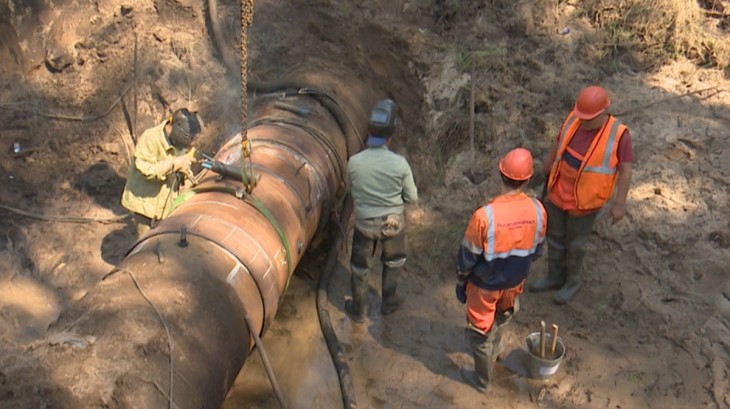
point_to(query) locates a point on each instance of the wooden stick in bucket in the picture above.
(542, 339)
(553, 341)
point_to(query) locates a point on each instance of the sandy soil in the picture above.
(651, 329)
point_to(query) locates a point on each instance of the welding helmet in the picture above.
(382, 122)
(185, 126)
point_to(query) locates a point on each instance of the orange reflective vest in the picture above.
(597, 172)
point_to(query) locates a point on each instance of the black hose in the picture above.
(354, 141)
(349, 398)
(324, 142)
(354, 144)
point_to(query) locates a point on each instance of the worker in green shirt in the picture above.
(380, 182)
(157, 167)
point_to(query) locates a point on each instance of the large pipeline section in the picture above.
(166, 327)
(251, 242)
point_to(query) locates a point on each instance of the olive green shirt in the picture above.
(150, 189)
(380, 182)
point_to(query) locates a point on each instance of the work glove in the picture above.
(461, 291)
(182, 163)
(176, 164)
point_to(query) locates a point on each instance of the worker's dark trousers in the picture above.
(485, 348)
(364, 244)
(567, 238)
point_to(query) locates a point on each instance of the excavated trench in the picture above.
(187, 301)
(175, 321)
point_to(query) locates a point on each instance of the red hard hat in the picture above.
(592, 101)
(517, 164)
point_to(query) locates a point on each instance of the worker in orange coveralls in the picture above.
(501, 241)
(590, 157)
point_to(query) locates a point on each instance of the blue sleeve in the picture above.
(467, 260)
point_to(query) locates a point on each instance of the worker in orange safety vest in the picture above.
(501, 241)
(590, 158)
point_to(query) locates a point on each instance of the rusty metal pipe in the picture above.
(220, 256)
(301, 163)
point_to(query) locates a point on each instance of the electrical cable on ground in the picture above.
(349, 398)
(170, 399)
(63, 117)
(67, 219)
(265, 360)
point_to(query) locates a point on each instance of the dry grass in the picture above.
(661, 30)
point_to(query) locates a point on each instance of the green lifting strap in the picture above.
(181, 198)
(261, 207)
(256, 204)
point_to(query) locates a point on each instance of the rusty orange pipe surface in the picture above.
(250, 244)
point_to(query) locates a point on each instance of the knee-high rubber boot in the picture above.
(483, 349)
(556, 249)
(495, 337)
(357, 308)
(394, 260)
(391, 300)
(556, 269)
(360, 262)
(569, 290)
(552, 281)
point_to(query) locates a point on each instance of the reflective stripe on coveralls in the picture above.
(491, 254)
(500, 241)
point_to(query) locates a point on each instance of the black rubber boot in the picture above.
(354, 313)
(392, 305)
(567, 292)
(469, 375)
(545, 284)
(391, 300)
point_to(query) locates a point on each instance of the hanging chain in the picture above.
(247, 174)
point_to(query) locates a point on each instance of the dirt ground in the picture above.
(651, 328)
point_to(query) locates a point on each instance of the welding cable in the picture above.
(66, 219)
(337, 353)
(330, 103)
(326, 144)
(265, 359)
(63, 117)
(340, 116)
(170, 399)
(339, 358)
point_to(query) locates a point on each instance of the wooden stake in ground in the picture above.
(134, 70)
(484, 60)
(471, 108)
(553, 341)
(542, 339)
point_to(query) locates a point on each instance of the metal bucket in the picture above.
(543, 368)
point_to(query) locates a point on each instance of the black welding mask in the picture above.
(383, 119)
(185, 126)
